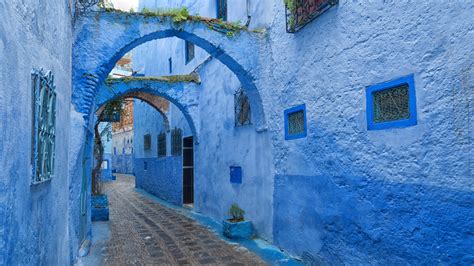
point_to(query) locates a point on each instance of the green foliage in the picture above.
(177, 14)
(113, 107)
(290, 5)
(236, 213)
(105, 4)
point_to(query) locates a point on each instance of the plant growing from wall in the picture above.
(236, 213)
(179, 15)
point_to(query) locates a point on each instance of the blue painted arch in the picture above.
(181, 94)
(133, 30)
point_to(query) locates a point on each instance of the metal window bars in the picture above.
(176, 142)
(43, 126)
(391, 104)
(301, 12)
(242, 111)
(296, 123)
(162, 144)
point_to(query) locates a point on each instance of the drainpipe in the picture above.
(249, 17)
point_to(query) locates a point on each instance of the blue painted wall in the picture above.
(107, 167)
(123, 163)
(34, 220)
(163, 177)
(348, 195)
(345, 194)
(323, 215)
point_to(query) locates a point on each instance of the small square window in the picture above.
(189, 51)
(391, 104)
(147, 142)
(295, 122)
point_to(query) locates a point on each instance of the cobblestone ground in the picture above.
(144, 232)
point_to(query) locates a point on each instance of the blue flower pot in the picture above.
(100, 208)
(238, 230)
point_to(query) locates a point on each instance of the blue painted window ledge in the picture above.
(398, 123)
(301, 127)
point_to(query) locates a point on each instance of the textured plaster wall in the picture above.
(348, 195)
(33, 219)
(164, 175)
(122, 151)
(107, 167)
(342, 194)
(223, 145)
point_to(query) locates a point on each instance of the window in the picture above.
(301, 12)
(242, 112)
(170, 64)
(176, 142)
(105, 164)
(115, 150)
(145, 166)
(147, 142)
(162, 144)
(189, 51)
(295, 122)
(236, 174)
(391, 104)
(44, 126)
(222, 9)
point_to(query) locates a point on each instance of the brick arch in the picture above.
(104, 37)
(152, 100)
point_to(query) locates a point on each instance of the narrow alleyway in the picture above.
(144, 232)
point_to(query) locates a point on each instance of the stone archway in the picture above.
(104, 37)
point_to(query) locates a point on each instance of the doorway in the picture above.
(188, 171)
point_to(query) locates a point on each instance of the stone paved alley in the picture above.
(144, 232)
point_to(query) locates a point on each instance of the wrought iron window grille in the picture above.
(295, 122)
(301, 12)
(242, 111)
(391, 104)
(43, 126)
(176, 142)
(162, 144)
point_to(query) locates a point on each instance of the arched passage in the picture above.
(182, 94)
(105, 37)
(102, 38)
(149, 99)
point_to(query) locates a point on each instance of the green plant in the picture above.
(236, 213)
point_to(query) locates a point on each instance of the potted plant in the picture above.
(236, 227)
